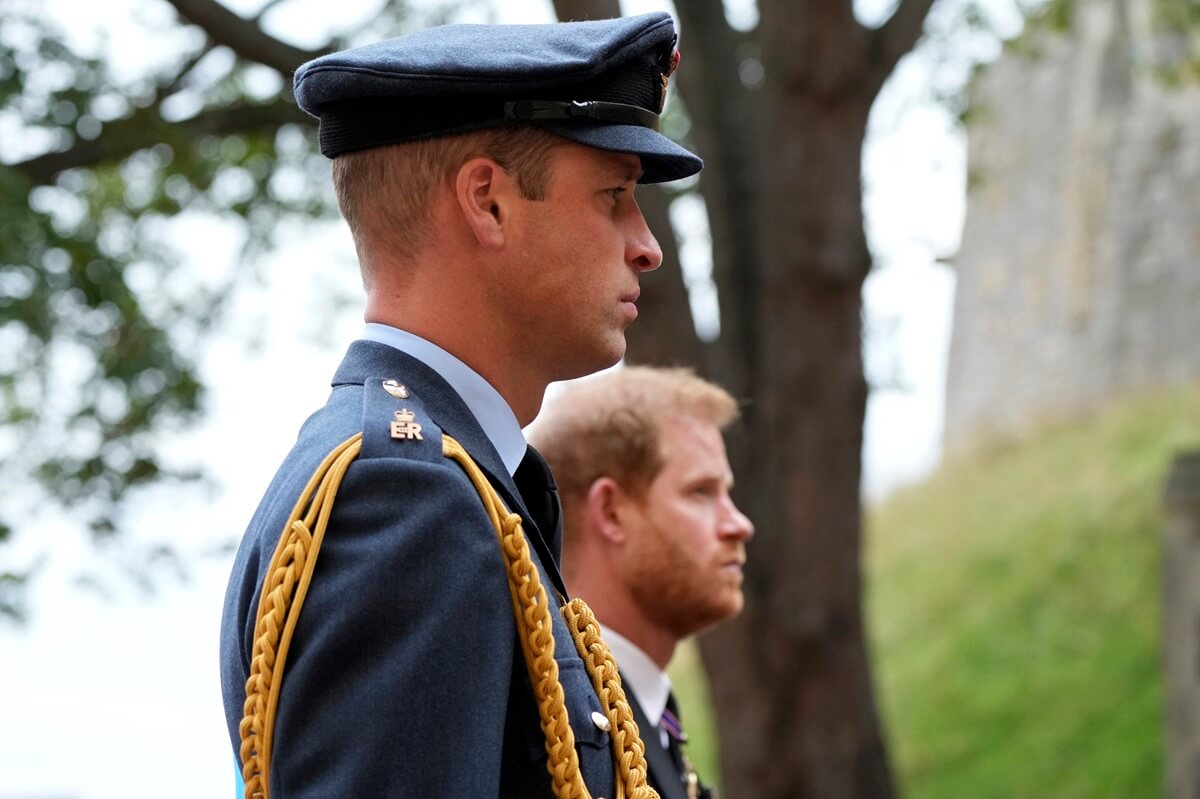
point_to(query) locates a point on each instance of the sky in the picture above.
(115, 695)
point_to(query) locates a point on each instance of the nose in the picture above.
(735, 524)
(641, 248)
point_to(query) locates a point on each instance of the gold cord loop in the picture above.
(286, 584)
(279, 604)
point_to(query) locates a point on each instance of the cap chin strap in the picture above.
(290, 574)
(589, 111)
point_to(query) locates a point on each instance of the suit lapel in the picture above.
(368, 359)
(664, 776)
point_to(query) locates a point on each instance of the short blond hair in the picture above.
(386, 193)
(610, 425)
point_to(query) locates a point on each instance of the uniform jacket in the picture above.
(404, 677)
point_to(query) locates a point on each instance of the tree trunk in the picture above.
(790, 676)
(783, 187)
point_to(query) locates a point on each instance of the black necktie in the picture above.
(540, 495)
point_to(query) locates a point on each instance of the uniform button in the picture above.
(396, 389)
(601, 720)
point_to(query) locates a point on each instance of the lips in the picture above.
(629, 302)
(734, 563)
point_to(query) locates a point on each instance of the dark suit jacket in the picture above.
(404, 677)
(664, 774)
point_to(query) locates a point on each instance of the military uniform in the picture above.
(405, 677)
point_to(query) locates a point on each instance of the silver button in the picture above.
(601, 720)
(396, 389)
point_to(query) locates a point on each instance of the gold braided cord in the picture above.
(534, 623)
(286, 584)
(284, 589)
(628, 748)
(535, 631)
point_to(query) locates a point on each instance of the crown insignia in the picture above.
(404, 427)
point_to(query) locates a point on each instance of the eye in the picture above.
(616, 192)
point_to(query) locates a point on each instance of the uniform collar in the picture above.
(649, 683)
(494, 415)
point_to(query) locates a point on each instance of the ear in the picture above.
(483, 192)
(608, 510)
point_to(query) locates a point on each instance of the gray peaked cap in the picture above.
(599, 83)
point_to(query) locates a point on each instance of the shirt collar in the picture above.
(649, 683)
(494, 415)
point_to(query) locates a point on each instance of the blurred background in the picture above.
(946, 251)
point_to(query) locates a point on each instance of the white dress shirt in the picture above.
(497, 419)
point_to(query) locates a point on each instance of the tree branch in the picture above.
(145, 128)
(169, 86)
(262, 12)
(895, 38)
(242, 36)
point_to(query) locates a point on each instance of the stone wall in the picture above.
(1079, 272)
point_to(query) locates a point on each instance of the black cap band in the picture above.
(590, 111)
(357, 125)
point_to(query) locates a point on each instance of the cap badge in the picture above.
(404, 427)
(672, 65)
(396, 389)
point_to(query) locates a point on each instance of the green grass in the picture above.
(1014, 609)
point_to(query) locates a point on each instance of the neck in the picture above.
(658, 644)
(616, 610)
(470, 330)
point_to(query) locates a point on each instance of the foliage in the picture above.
(1176, 23)
(1014, 606)
(100, 331)
(1058, 16)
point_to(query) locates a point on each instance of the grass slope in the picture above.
(1014, 608)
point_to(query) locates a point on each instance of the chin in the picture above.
(733, 606)
(617, 349)
(604, 359)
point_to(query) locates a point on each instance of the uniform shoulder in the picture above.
(396, 423)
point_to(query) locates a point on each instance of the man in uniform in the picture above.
(487, 174)
(653, 541)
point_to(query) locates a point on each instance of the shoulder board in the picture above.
(395, 423)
